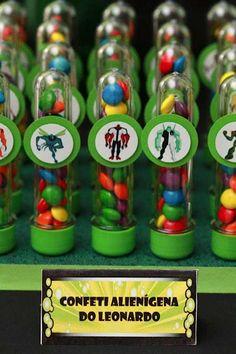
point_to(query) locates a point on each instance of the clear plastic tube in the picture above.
(5, 171)
(113, 56)
(122, 12)
(17, 14)
(61, 11)
(225, 218)
(226, 63)
(227, 36)
(172, 58)
(111, 30)
(172, 189)
(218, 15)
(173, 31)
(50, 32)
(114, 186)
(60, 56)
(165, 12)
(53, 196)
(8, 62)
(8, 31)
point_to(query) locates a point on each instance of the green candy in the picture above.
(111, 214)
(173, 213)
(104, 222)
(119, 175)
(3, 217)
(107, 199)
(47, 100)
(53, 195)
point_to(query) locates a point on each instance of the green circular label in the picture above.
(207, 64)
(222, 140)
(78, 107)
(169, 140)
(149, 60)
(52, 142)
(10, 141)
(115, 141)
(30, 81)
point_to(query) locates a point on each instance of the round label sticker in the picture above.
(10, 141)
(169, 140)
(52, 142)
(115, 141)
(207, 64)
(222, 140)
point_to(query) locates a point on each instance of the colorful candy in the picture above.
(53, 195)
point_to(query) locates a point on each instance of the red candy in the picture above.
(175, 226)
(160, 204)
(64, 202)
(57, 223)
(232, 183)
(230, 228)
(106, 181)
(42, 205)
(125, 89)
(226, 216)
(121, 191)
(166, 64)
(62, 183)
(45, 218)
(42, 184)
(58, 107)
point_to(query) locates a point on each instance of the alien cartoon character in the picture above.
(50, 141)
(171, 139)
(232, 136)
(116, 138)
(3, 143)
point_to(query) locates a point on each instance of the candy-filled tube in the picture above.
(113, 225)
(222, 146)
(53, 224)
(9, 149)
(172, 225)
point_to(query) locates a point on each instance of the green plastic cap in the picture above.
(7, 239)
(52, 242)
(113, 243)
(223, 245)
(172, 246)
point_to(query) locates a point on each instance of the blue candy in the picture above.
(173, 197)
(47, 176)
(179, 65)
(60, 63)
(2, 97)
(229, 170)
(112, 94)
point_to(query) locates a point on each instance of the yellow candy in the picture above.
(57, 37)
(233, 101)
(168, 104)
(59, 213)
(121, 108)
(226, 76)
(228, 199)
(103, 103)
(160, 221)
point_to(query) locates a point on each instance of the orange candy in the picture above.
(121, 191)
(232, 183)
(58, 107)
(45, 218)
(105, 181)
(230, 227)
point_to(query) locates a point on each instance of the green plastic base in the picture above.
(52, 242)
(177, 246)
(17, 202)
(7, 239)
(113, 243)
(75, 202)
(223, 246)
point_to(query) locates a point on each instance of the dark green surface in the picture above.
(142, 255)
